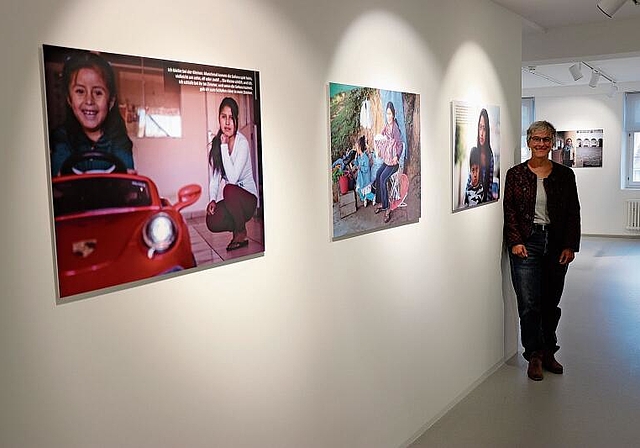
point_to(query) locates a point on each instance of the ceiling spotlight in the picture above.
(576, 71)
(610, 7)
(595, 76)
(613, 89)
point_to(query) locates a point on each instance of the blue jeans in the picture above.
(538, 281)
(382, 192)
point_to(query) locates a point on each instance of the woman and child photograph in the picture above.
(480, 185)
(372, 169)
(382, 127)
(125, 209)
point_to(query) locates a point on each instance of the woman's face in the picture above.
(482, 131)
(89, 99)
(569, 141)
(227, 125)
(389, 116)
(540, 144)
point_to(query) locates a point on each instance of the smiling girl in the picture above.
(93, 121)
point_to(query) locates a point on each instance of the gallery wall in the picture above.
(607, 37)
(362, 342)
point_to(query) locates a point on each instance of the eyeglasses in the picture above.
(536, 139)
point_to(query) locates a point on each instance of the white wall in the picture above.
(309, 345)
(595, 40)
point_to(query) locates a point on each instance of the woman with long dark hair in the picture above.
(486, 154)
(93, 121)
(232, 189)
(389, 146)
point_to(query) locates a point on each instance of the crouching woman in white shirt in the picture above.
(232, 189)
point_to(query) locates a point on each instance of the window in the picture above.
(528, 117)
(149, 100)
(634, 143)
(632, 130)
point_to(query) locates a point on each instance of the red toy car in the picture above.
(113, 228)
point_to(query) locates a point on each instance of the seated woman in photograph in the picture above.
(363, 166)
(232, 189)
(93, 122)
(389, 145)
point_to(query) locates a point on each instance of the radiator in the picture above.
(633, 214)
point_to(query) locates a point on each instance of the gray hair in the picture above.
(541, 125)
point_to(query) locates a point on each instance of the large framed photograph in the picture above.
(475, 154)
(155, 167)
(374, 158)
(578, 149)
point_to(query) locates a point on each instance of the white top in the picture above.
(237, 168)
(541, 213)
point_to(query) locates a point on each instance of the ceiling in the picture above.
(551, 75)
(540, 16)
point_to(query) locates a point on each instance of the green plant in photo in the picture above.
(336, 174)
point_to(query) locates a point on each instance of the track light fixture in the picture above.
(596, 74)
(576, 71)
(610, 7)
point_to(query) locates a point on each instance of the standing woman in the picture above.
(389, 145)
(232, 189)
(568, 153)
(486, 155)
(542, 232)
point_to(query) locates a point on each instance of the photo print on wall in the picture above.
(374, 158)
(475, 154)
(578, 149)
(155, 167)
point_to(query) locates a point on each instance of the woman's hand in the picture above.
(566, 256)
(519, 251)
(211, 207)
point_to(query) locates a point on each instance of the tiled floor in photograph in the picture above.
(211, 247)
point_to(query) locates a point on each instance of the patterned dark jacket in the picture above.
(562, 204)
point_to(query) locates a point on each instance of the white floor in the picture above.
(596, 403)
